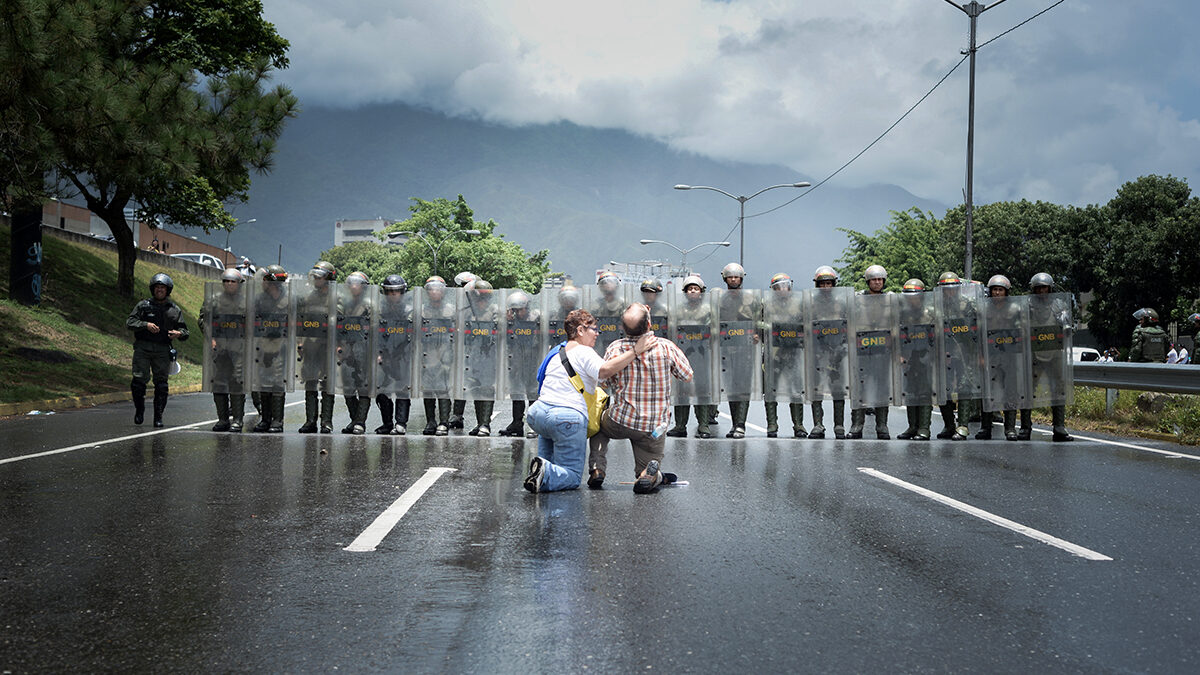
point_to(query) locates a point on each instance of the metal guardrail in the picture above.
(1173, 379)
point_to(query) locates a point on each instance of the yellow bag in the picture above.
(596, 403)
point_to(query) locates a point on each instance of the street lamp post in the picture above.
(683, 252)
(742, 212)
(397, 235)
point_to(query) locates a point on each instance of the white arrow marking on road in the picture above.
(376, 531)
(990, 517)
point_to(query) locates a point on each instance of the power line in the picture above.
(1020, 24)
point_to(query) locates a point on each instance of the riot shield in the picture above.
(606, 303)
(694, 331)
(1004, 322)
(524, 344)
(314, 306)
(226, 331)
(352, 340)
(783, 377)
(437, 311)
(558, 304)
(960, 346)
(917, 342)
(826, 353)
(1050, 329)
(394, 339)
(271, 336)
(739, 315)
(478, 358)
(874, 359)
(659, 314)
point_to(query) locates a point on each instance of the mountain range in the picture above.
(587, 195)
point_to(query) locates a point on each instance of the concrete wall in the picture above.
(203, 271)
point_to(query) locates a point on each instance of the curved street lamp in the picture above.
(741, 200)
(683, 252)
(397, 235)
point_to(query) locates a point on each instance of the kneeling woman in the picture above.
(559, 415)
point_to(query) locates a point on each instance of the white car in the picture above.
(201, 258)
(1084, 354)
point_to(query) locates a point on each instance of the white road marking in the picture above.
(1165, 453)
(96, 444)
(990, 517)
(748, 425)
(376, 531)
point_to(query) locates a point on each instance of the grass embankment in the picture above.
(1179, 416)
(76, 343)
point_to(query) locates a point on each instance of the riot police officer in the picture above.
(878, 365)
(223, 323)
(783, 312)
(353, 350)
(155, 322)
(831, 361)
(312, 348)
(524, 355)
(742, 307)
(465, 280)
(1149, 339)
(607, 309)
(1054, 318)
(569, 298)
(962, 360)
(394, 357)
(270, 339)
(437, 356)
(652, 296)
(1006, 372)
(917, 345)
(483, 314)
(694, 311)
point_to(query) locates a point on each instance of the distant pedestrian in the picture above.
(1172, 355)
(1184, 357)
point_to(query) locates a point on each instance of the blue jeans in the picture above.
(562, 442)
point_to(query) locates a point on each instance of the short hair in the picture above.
(643, 323)
(575, 319)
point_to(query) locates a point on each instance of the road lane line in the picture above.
(748, 425)
(1170, 454)
(96, 444)
(990, 517)
(376, 531)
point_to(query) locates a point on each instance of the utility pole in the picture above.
(972, 10)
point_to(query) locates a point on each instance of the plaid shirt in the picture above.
(640, 395)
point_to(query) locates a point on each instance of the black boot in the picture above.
(913, 416)
(327, 401)
(517, 426)
(483, 418)
(949, 426)
(384, 402)
(237, 410)
(1010, 425)
(1025, 432)
(311, 410)
(772, 408)
(222, 403)
(276, 413)
(839, 419)
(881, 423)
(1058, 417)
(818, 413)
(431, 419)
(985, 427)
(456, 420)
(160, 402)
(138, 389)
(403, 406)
(264, 412)
(682, 412)
(797, 411)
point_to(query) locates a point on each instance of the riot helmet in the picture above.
(914, 285)
(1041, 279)
(395, 282)
(232, 274)
(275, 273)
(1001, 281)
(875, 272)
(568, 297)
(1147, 314)
(481, 287)
(608, 282)
(652, 286)
(323, 270)
(824, 273)
(694, 280)
(464, 278)
(948, 279)
(357, 279)
(161, 279)
(1194, 318)
(518, 300)
(733, 270)
(781, 282)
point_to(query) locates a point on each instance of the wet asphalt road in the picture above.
(192, 550)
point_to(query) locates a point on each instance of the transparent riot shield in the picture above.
(960, 343)
(874, 357)
(660, 311)
(1004, 322)
(826, 353)
(606, 303)
(783, 375)
(437, 311)
(694, 331)
(314, 306)
(739, 316)
(917, 342)
(524, 344)
(394, 343)
(479, 325)
(272, 336)
(353, 353)
(1050, 327)
(559, 303)
(225, 325)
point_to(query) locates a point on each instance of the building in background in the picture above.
(346, 231)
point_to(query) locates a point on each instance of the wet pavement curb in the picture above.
(69, 402)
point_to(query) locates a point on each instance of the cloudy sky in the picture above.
(1068, 106)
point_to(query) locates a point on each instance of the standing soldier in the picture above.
(1004, 357)
(691, 325)
(828, 352)
(272, 353)
(353, 350)
(393, 347)
(652, 296)
(874, 362)
(480, 322)
(962, 356)
(524, 353)
(437, 356)
(313, 312)
(607, 309)
(223, 323)
(784, 314)
(1050, 325)
(918, 343)
(467, 281)
(1149, 340)
(740, 316)
(155, 322)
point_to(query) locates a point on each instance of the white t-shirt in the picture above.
(557, 388)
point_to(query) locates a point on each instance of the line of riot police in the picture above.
(953, 346)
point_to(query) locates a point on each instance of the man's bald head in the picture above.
(636, 320)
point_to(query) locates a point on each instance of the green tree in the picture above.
(906, 247)
(436, 228)
(371, 258)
